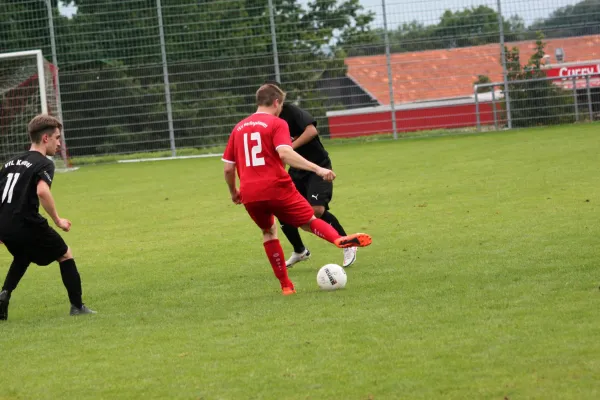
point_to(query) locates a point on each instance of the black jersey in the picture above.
(313, 151)
(18, 187)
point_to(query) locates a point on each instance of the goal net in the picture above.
(28, 86)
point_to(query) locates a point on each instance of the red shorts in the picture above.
(293, 210)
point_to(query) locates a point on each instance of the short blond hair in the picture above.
(267, 94)
(42, 124)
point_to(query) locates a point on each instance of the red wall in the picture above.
(445, 117)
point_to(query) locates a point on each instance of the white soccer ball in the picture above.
(331, 277)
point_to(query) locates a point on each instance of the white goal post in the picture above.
(28, 86)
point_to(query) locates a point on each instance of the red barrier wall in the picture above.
(424, 118)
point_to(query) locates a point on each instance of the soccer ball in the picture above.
(331, 277)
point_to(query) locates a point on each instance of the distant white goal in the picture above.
(28, 86)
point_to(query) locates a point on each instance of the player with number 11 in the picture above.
(25, 183)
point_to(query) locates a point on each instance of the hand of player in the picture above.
(64, 224)
(236, 197)
(327, 174)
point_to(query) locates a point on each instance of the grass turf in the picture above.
(482, 281)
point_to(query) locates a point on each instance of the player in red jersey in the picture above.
(258, 148)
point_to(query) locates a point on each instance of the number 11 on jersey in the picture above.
(256, 160)
(11, 181)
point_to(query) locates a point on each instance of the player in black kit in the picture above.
(306, 142)
(25, 183)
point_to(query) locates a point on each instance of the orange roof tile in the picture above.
(438, 74)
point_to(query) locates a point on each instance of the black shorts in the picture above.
(314, 189)
(38, 244)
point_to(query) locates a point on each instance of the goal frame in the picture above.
(40, 72)
(41, 78)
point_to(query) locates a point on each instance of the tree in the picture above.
(218, 53)
(482, 80)
(104, 104)
(123, 31)
(469, 27)
(472, 26)
(24, 26)
(535, 102)
(580, 19)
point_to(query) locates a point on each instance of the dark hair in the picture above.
(42, 124)
(267, 94)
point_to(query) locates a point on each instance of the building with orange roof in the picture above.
(451, 73)
(434, 89)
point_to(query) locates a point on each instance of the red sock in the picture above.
(277, 260)
(323, 230)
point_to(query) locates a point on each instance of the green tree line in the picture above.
(218, 52)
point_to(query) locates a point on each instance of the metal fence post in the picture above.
(589, 97)
(504, 69)
(274, 41)
(163, 51)
(63, 140)
(575, 99)
(477, 116)
(494, 109)
(39, 58)
(388, 59)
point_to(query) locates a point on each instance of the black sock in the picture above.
(14, 275)
(332, 220)
(72, 281)
(292, 234)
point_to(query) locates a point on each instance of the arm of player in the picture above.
(293, 159)
(47, 201)
(309, 134)
(229, 172)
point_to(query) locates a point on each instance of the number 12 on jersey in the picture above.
(256, 149)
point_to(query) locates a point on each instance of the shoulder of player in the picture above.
(290, 112)
(241, 123)
(28, 158)
(303, 112)
(252, 120)
(280, 121)
(41, 159)
(43, 163)
(268, 120)
(300, 116)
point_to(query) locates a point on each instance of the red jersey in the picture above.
(252, 147)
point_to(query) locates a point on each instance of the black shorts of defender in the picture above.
(314, 189)
(38, 244)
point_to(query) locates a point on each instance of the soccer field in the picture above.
(481, 283)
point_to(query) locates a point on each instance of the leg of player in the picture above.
(276, 257)
(72, 281)
(13, 277)
(325, 231)
(328, 217)
(325, 215)
(301, 253)
(320, 193)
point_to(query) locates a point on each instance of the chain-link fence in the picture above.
(143, 76)
(539, 101)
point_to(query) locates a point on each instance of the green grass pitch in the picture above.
(481, 283)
